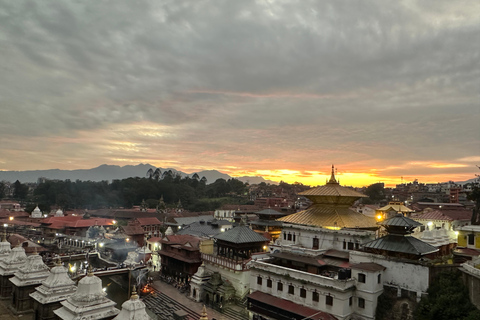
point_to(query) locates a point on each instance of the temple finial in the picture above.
(332, 177)
(134, 293)
(204, 314)
(90, 271)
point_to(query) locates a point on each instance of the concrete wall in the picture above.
(409, 276)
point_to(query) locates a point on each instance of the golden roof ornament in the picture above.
(204, 314)
(134, 293)
(58, 262)
(332, 177)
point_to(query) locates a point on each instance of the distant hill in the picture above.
(112, 172)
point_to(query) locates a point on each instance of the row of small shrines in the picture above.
(31, 286)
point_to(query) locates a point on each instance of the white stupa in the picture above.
(5, 248)
(28, 276)
(133, 309)
(57, 287)
(169, 231)
(89, 301)
(10, 264)
(36, 213)
(32, 272)
(59, 213)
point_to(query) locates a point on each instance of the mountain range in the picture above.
(112, 172)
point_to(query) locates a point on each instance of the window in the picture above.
(350, 245)
(315, 296)
(379, 278)
(279, 286)
(291, 289)
(284, 236)
(315, 244)
(344, 244)
(356, 245)
(269, 283)
(329, 300)
(350, 301)
(361, 303)
(259, 281)
(289, 237)
(294, 237)
(361, 278)
(471, 239)
(303, 293)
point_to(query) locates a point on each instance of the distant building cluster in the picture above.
(316, 253)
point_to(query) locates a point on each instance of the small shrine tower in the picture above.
(56, 288)
(133, 309)
(28, 276)
(36, 213)
(89, 302)
(5, 248)
(8, 266)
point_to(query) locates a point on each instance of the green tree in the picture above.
(447, 299)
(2, 190)
(20, 191)
(375, 192)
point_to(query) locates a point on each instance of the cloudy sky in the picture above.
(282, 89)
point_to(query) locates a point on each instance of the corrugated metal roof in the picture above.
(332, 189)
(402, 244)
(241, 234)
(330, 216)
(270, 212)
(368, 266)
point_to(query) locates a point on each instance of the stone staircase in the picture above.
(164, 306)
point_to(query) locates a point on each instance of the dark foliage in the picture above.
(447, 300)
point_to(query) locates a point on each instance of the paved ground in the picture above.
(6, 314)
(173, 295)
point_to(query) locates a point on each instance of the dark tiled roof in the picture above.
(241, 234)
(402, 244)
(306, 312)
(400, 221)
(366, 266)
(205, 229)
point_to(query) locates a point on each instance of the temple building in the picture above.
(133, 309)
(331, 208)
(88, 302)
(56, 288)
(267, 223)
(28, 276)
(180, 256)
(228, 267)
(36, 213)
(8, 267)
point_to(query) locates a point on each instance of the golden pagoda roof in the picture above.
(331, 189)
(331, 208)
(330, 216)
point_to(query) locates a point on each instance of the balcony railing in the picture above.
(303, 276)
(240, 265)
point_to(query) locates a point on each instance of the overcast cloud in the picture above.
(384, 88)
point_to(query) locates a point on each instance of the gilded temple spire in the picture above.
(332, 177)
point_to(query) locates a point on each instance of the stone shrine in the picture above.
(56, 288)
(28, 276)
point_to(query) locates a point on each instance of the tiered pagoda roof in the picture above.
(399, 240)
(331, 208)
